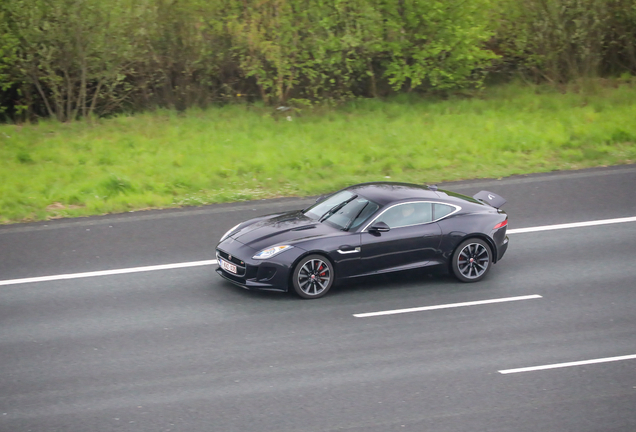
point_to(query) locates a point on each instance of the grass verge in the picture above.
(233, 153)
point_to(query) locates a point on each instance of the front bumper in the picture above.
(270, 275)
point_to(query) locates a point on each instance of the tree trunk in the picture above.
(36, 81)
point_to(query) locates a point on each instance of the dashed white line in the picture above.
(211, 262)
(446, 306)
(571, 225)
(108, 272)
(569, 364)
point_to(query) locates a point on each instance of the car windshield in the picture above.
(343, 210)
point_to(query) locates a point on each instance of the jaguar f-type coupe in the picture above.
(363, 230)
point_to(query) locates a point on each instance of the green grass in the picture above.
(233, 153)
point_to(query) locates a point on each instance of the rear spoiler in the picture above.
(490, 198)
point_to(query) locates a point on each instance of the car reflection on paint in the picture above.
(362, 230)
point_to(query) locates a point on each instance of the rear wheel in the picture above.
(313, 277)
(472, 260)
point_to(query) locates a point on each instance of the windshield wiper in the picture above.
(348, 225)
(335, 208)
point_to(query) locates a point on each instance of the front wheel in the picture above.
(472, 260)
(313, 276)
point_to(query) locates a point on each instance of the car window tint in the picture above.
(442, 210)
(355, 209)
(319, 209)
(407, 214)
(367, 211)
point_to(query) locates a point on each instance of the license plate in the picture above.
(227, 266)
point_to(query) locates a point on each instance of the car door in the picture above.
(412, 240)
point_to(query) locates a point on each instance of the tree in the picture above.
(73, 52)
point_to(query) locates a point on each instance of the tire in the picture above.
(313, 276)
(472, 260)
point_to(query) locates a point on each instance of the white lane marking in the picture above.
(562, 365)
(446, 306)
(108, 272)
(571, 225)
(211, 262)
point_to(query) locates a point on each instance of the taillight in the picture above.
(501, 224)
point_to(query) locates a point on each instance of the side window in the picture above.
(442, 210)
(407, 214)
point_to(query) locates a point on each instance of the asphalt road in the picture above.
(182, 350)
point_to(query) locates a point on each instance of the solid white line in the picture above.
(108, 272)
(562, 365)
(446, 306)
(571, 225)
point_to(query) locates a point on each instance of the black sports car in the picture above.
(362, 230)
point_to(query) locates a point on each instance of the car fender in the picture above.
(457, 237)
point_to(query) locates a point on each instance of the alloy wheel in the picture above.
(314, 277)
(473, 260)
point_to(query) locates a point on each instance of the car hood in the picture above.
(286, 228)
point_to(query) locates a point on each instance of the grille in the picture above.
(240, 265)
(233, 259)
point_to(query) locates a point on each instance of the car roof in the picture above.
(387, 192)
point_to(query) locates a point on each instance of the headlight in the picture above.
(270, 252)
(226, 235)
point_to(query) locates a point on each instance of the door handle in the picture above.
(346, 249)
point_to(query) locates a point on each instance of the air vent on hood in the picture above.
(303, 228)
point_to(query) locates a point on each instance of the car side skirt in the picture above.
(413, 266)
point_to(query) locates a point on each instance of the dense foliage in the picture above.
(68, 59)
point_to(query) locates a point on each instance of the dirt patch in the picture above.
(60, 206)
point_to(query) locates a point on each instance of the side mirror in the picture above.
(379, 227)
(320, 198)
